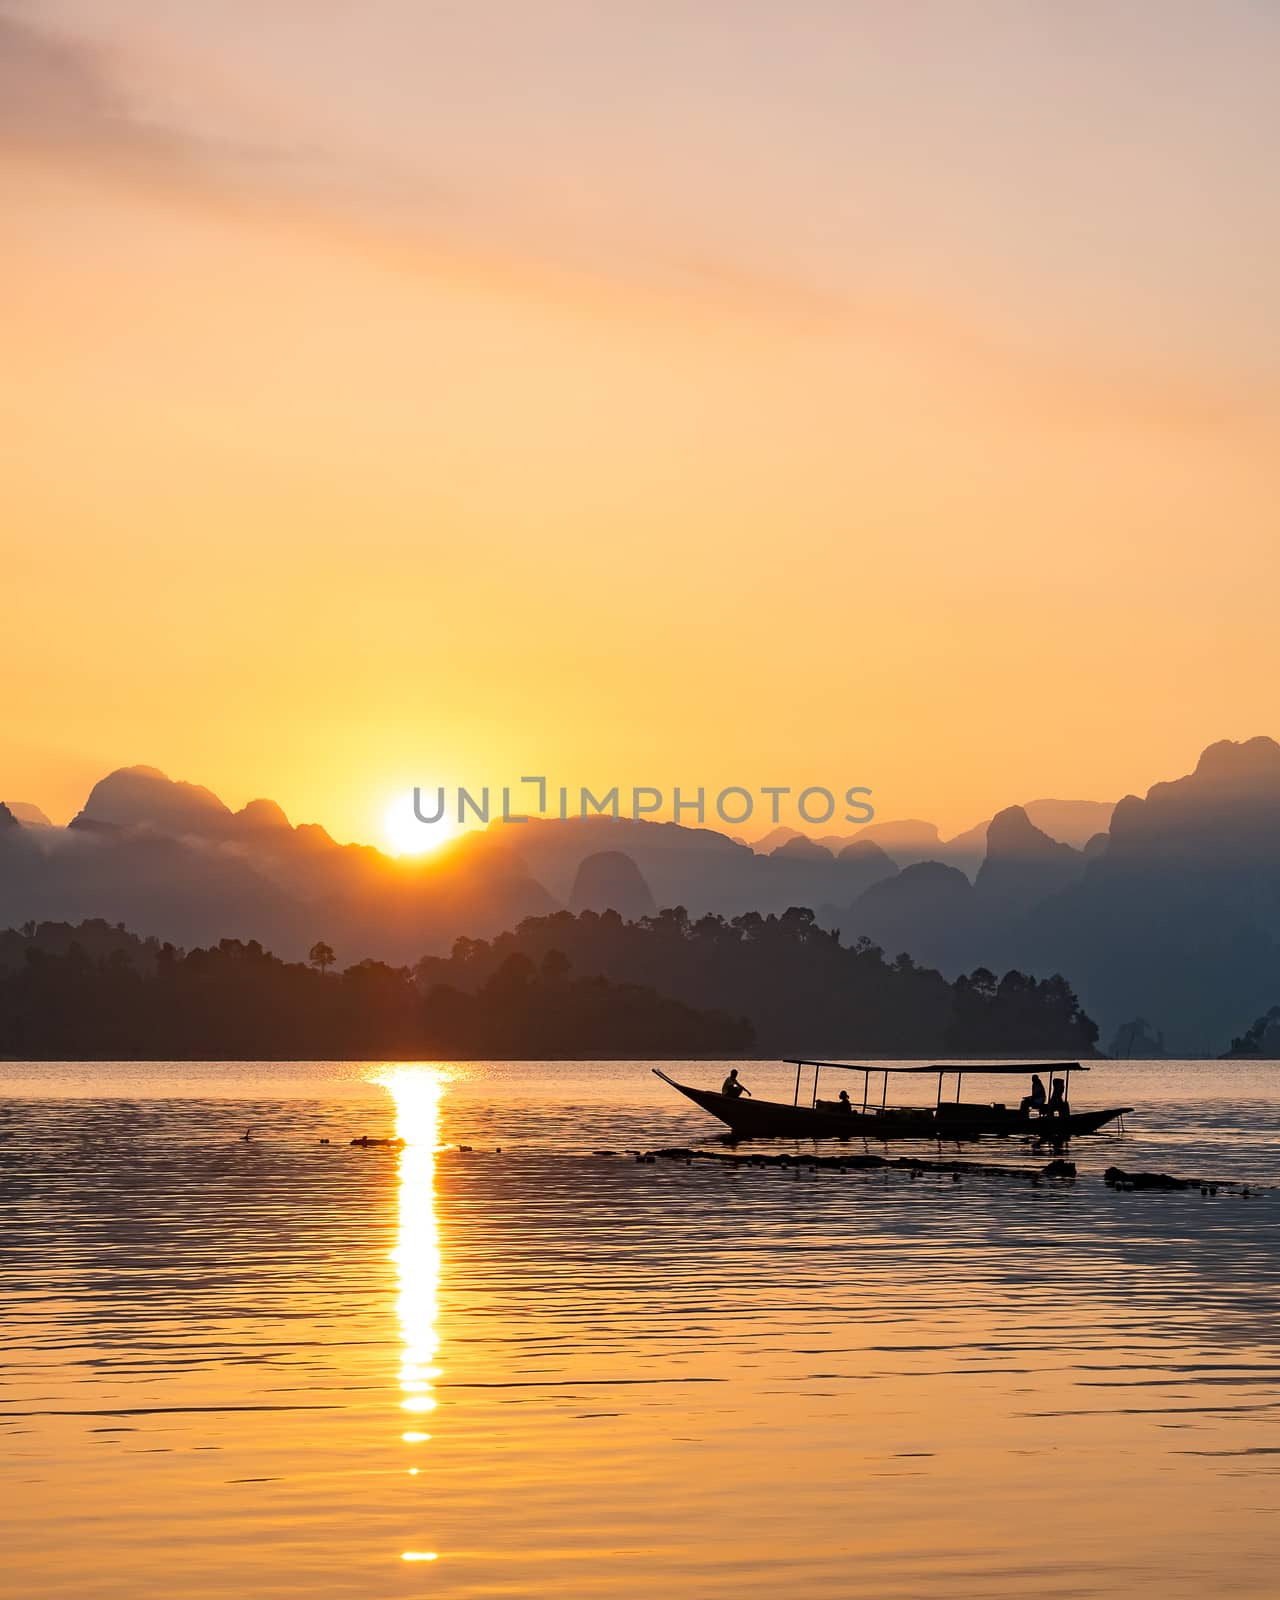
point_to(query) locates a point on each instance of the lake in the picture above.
(280, 1367)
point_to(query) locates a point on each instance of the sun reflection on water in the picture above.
(417, 1092)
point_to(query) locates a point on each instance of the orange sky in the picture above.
(753, 400)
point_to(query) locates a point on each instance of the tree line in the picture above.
(802, 991)
(94, 992)
(561, 985)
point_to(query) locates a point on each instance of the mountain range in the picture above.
(1166, 905)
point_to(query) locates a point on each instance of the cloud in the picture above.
(69, 97)
(60, 93)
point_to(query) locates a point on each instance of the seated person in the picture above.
(731, 1085)
(1058, 1106)
(1035, 1100)
(844, 1103)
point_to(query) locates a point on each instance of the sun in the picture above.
(405, 834)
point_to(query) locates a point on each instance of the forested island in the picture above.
(591, 985)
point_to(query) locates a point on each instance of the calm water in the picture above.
(285, 1368)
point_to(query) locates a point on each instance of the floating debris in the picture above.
(915, 1165)
(366, 1143)
(1118, 1178)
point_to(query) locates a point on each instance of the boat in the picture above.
(809, 1117)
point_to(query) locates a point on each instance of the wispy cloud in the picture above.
(58, 92)
(68, 96)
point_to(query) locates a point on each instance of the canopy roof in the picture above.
(1009, 1069)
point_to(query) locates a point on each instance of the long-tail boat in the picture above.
(809, 1117)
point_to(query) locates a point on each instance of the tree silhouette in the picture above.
(561, 986)
(321, 955)
(89, 992)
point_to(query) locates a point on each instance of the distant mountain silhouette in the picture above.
(28, 815)
(1137, 1041)
(261, 816)
(868, 853)
(1260, 1042)
(769, 842)
(926, 910)
(1165, 906)
(611, 881)
(135, 797)
(1173, 910)
(1072, 822)
(171, 857)
(1022, 867)
(799, 848)
(694, 867)
(1179, 917)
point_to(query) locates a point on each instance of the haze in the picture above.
(747, 393)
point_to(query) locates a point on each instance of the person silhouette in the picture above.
(1035, 1100)
(1058, 1106)
(732, 1087)
(844, 1103)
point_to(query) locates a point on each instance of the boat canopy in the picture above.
(1019, 1070)
(939, 1069)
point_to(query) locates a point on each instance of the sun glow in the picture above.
(417, 1092)
(406, 835)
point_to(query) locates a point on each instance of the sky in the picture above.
(408, 393)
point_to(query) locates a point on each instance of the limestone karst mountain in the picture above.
(172, 859)
(609, 880)
(1022, 867)
(927, 911)
(1179, 918)
(28, 815)
(1172, 912)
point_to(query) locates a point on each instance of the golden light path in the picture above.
(416, 1092)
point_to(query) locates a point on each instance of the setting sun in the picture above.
(406, 835)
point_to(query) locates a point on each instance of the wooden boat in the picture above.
(809, 1117)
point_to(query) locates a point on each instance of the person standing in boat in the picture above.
(1035, 1100)
(1058, 1106)
(732, 1087)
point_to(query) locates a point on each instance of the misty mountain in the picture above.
(28, 815)
(1170, 910)
(1179, 917)
(697, 868)
(171, 858)
(611, 881)
(1022, 867)
(1173, 913)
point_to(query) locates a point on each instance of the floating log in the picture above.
(1118, 1178)
(915, 1165)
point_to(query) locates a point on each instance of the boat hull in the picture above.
(749, 1118)
(971, 1122)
